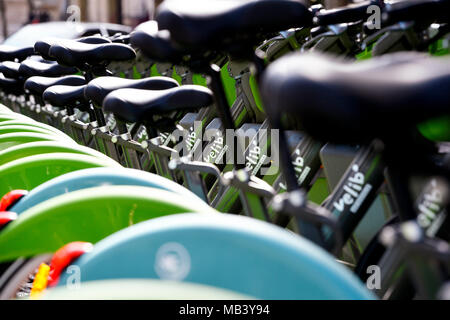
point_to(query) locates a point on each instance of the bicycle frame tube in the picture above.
(356, 190)
(432, 206)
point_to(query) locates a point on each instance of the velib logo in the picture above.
(216, 149)
(254, 159)
(354, 192)
(430, 205)
(191, 139)
(253, 156)
(165, 138)
(301, 172)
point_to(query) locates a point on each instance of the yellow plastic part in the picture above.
(40, 281)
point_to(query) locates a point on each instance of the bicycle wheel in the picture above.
(13, 116)
(42, 147)
(94, 177)
(4, 109)
(223, 251)
(25, 129)
(17, 138)
(32, 124)
(90, 215)
(142, 289)
(29, 172)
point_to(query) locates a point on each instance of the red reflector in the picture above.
(6, 217)
(9, 199)
(64, 257)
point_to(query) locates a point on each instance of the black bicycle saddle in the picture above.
(355, 102)
(37, 85)
(417, 10)
(210, 24)
(29, 68)
(99, 88)
(136, 105)
(42, 47)
(77, 54)
(155, 44)
(10, 69)
(63, 95)
(9, 53)
(11, 86)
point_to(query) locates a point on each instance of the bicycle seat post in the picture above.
(286, 166)
(217, 86)
(96, 113)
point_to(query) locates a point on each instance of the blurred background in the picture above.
(16, 13)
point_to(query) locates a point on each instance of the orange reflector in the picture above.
(40, 281)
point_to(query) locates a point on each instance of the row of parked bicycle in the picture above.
(244, 149)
